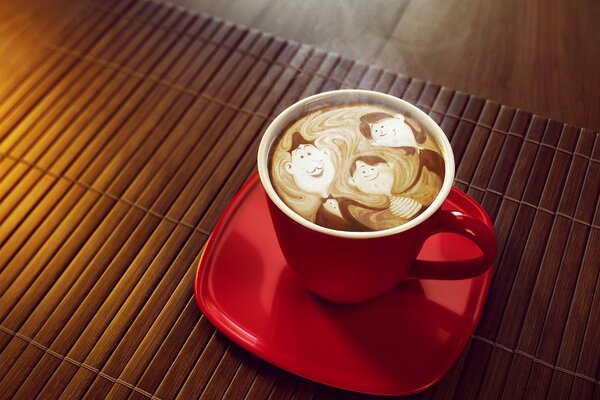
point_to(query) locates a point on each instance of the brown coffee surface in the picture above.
(356, 167)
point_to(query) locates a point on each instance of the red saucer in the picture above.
(400, 343)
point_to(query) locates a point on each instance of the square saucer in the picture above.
(400, 343)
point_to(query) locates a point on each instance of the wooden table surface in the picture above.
(541, 56)
(127, 126)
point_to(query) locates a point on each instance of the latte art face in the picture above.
(356, 167)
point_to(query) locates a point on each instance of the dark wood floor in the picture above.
(543, 56)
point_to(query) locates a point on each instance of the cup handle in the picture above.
(479, 231)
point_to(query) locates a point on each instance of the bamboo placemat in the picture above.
(121, 149)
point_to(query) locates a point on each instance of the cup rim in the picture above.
(283, 119)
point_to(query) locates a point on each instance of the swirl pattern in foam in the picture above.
(356, 167)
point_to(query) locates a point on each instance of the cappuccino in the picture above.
(356, 167)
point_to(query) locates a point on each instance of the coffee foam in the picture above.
(356, 167)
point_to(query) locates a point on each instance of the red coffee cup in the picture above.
(351, 267)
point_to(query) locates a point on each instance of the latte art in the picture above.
(356, 167)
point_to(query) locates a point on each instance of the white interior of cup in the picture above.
(355, 96)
